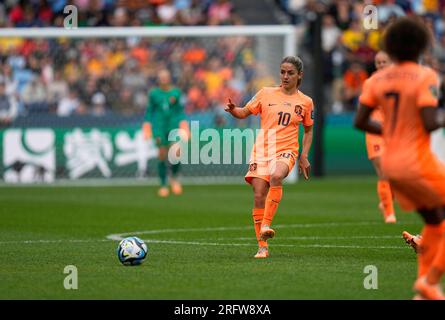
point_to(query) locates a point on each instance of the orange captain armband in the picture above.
(146, 130)
(184, 130)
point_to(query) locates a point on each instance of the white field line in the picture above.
(310, 238)
(227, 244)
(180, 242)
(120, 236)
(54, 241)
(205, 242)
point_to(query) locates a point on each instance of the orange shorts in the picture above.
(263, 169)
(374, 145)
(425, 191)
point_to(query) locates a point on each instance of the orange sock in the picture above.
(258, 214)
(272, 201)
(385, 196)
(431, 237)
(438, 264)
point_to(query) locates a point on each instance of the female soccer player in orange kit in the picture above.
(408, 96)
(375, 147)
(276, 149)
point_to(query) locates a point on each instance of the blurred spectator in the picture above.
(167, 12)
(126, 104)
(354, 78)
(98, 101)
(34, 96)
(297, 9)
(57, 89)
(28, 18)
(133, 77)
(192, 15)
(11, 84)
(341, 10)
(214, 76)
(330, 33)
(8, 105)
(197, 99)
(354, 36)
(388, 9)
(220, 13)
(120, 18)
(439, 52)
(69, 105)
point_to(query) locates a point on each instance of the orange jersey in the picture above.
(374, 142)
(281, 115)
(402, 90)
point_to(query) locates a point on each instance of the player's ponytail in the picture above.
(298, 64)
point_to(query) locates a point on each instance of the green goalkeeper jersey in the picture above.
(164, 111)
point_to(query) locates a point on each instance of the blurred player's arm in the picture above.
(184, 127)
(432, 118)
(147, 130)
(237, 112)
(428, 101)
(363, 120)
(304, 165)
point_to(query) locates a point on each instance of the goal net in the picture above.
(80, 98)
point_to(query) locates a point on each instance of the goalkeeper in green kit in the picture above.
(165, 112)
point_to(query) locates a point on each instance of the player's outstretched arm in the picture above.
(304, 167)
(432, 118)
(237, 112)
(363, 120)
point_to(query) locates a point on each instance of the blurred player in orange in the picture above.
(375, 146)
(407, 94)
(282, 109)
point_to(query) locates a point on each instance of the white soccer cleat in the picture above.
(266, 232)
(263, 252)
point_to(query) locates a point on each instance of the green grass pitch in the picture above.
(201, 244)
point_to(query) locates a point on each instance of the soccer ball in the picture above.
(132, 251)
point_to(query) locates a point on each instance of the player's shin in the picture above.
(175, 169)
(272, 201)
(385, 196)
(431, 237)
(258, 214)
(438, 265)
(162, 172)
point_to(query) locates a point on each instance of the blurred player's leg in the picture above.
(431, 236)
(260, 189)
(162, 172)
(427, 290)
(413, 241)
(175, 168)
(431, 256)
(387, 205)
(437, 268)
(175, 184)
(384, 192)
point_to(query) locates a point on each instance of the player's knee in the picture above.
(276, 179)
(260, 198)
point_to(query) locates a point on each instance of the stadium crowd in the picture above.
(96, 76)
(349, 49)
